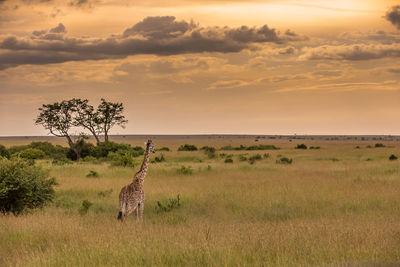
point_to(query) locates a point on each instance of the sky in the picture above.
(206, 67)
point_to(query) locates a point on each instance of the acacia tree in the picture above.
(86, 117)
(109, 114)
(58, 119)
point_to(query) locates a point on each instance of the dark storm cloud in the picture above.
(153, 35)
(393, 15)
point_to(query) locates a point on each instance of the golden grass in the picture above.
(334, 206)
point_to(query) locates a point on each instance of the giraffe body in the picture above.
(131, 197)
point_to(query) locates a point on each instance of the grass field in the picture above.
(334, 206)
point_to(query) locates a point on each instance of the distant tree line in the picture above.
(60, 118)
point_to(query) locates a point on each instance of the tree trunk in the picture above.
(73, 147)
(105, 136)
(97, 138)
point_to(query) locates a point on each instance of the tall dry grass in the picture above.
(334, 206)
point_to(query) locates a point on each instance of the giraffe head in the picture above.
(149, 144)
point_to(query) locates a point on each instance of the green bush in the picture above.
(284, 160)
(163, 149)
(86, 204)
(228, 160)
(168, 205)
(392, 157)
(209, 151)
(103, 149)
(317, 147)
(379, 145)
(301, 146)
(4, 152)
(32, 153)
(255, 147)
(92, 174)
(266, 156)
(85, 149)
(121, 158)
(254, 158)
(187, 147)
(185, 170)
(23, 187)
(158, 159)
(242, 158)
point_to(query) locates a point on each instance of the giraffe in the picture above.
(131, 197)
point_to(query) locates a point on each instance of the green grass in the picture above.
(315, 211)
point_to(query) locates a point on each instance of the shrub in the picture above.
(4, 152)
(23, 187)
(92, 174)
(253, 158)
(379, 145)
(392, 157)
(301, 146)
(185, 170)
(49, 149)
(86, 204)
(163, 149)
(85, 149)
(168, 205)
(256, 147)
(315, 147)
(15, 149)
(242, 158)
(228, 160)
(158, 159)
(263, 147)
(284, 160)
(266, 155)
(32, 153)
(187, 147)
(121, 158)
(209, 151)
(103, 149)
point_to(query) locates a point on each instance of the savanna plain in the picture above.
(337, 204)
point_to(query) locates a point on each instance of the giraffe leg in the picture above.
(131, 207)
(141, 209)
(141, 206)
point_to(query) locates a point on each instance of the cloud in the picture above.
(59, 29)
(393, 15)
(351, 52)
(154, 35)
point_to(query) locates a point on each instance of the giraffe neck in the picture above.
(145, 165)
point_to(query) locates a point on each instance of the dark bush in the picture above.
(263, 147)
(301, 146)
(92, 174)
(158, 159)
(379, 145)
(254, 158)
(15, 149)
(266, 155)
(284, 160)
(315, 147)
(86, 204)
(4, 152)
(163, 149)
(187, 147)
(209, 151)
(256, 147)
(392, 157)
(23, 187)
(242, 158)
(168, 205)
(103, 149)
(32, 153)
(85, 149)
(228, 160)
